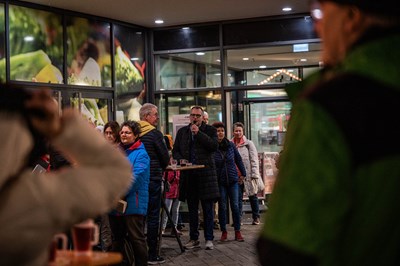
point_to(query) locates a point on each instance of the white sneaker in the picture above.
(209, 245)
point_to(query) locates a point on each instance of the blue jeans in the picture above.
(255, 209)
(208, 213)
(153, 217)
(232, 193)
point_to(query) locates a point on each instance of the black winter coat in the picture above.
(199, 183)
(157, 150)
(227, 158)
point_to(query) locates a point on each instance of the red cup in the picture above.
(55, 245)
(84, 236)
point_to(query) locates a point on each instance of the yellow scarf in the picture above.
(146, 127)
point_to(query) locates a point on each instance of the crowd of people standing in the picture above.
(222, 180)
(134, 231)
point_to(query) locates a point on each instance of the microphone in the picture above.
(193, 123)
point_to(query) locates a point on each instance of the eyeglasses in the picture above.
(156, 114)
(316, 11)
(125, 132)
(195, 115)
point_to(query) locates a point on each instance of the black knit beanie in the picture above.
(383, 7)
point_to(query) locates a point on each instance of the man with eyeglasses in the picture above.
(197, 143)
(336, 197)
(156, 148)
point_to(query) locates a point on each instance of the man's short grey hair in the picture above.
(146, 109)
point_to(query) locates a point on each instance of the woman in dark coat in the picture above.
(227, 160)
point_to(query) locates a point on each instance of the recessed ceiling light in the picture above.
(200, 53)
(185, 28)
(262, 66)
(286, 9)
(245, 58)
(159, 21)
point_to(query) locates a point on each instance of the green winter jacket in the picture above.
(336, 198)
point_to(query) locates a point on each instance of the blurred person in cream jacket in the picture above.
(35, 206)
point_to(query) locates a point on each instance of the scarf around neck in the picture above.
(146, 127)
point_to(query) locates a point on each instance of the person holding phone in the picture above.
(36, 206)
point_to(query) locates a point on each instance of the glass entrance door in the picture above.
(266, 123)
(96, 107)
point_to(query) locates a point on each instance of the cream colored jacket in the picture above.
(249, 155)
(34, 207)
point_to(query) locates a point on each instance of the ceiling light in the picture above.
(286, 9)
(134, 58)
(245, 58)
(159, 21)
(262, 66)
(200, 53)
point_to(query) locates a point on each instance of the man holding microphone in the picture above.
(196, 143)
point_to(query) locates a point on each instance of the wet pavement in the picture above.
(229, 252)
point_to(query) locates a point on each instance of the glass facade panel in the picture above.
(186, 38)
(130, 69)
(2, 45)
(88, 54)
(172, 105)
(94, 110)
(271, 65)
(36, 45)
(188, 70)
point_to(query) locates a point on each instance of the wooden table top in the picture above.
(67, 258)
(187, 167)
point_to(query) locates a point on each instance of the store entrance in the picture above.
(96, 107)
(266, 123)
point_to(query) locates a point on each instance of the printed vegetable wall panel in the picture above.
(36, 46)
(88, 54)
(94, 110)
(130, 67)
(2, 44)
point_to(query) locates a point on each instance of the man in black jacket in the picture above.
(197, 143)
(153, 141)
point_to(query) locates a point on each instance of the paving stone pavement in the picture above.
(229, 252)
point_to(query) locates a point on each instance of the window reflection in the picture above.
(272, 65)
(188, 70)
(172, 105)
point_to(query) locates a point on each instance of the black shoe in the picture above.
(180, 226)
(156, 260)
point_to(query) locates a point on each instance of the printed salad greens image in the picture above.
(36, 46)
(88, 55)
(94, 110)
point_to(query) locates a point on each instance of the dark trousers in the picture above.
(153, 217)
(208, 213)
(133, 227)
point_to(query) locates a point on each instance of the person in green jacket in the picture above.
(336, 198)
